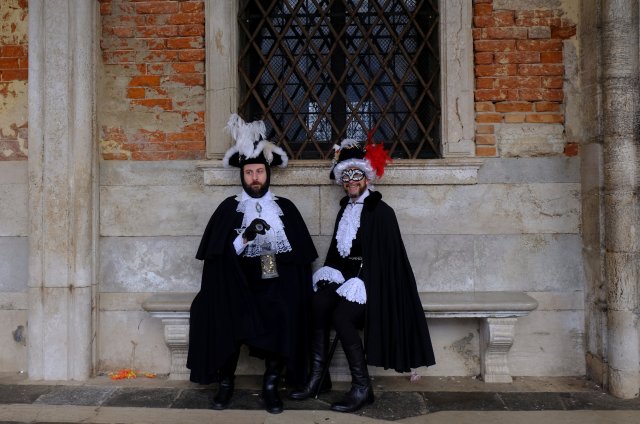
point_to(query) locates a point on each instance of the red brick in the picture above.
(514, 107)
(536, 94)
(155, 43)
(190, 80)
(144, 81)
(485, 83)
(14, 75)
(485, 129)
(495, 70)
(514, 118)
(161, 56)
(541, 69)
(517, 57)
(571, 149)
(115, 156)
(191, 6)
(552, 82)
(486, 139)
(482, 9)
(492, 94)
(13, 51)
(539, 45)
(547, 107)
(551, 57)
(191, 30)
(485, 107)
(123, 32)
(518, 82)
(545, 118)
(476, 33)
(135, 93)
(153, 7)
(483, 58)
(190, 145)
(494, 45)
(563, 32)
(9, 63)
(105, 9)
(505, 33)
(186, 18)
(185, 43)
(188, 67)
(503, 18)
(486, 151)
(488, 118)
(191, 55)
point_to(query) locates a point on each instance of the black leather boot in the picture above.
(272, 401)
(225, 390)
(314, 387)
(361, 392)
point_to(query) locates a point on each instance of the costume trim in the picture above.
(326, 273)
(362, 164)
(271, 213)
(353, 290)
(348, 228)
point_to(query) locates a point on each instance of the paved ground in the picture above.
(431, 400)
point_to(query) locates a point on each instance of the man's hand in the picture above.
(257, 226)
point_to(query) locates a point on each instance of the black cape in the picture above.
(234, 306)
(395, 331)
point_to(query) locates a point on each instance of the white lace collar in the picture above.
(349, 224)
(266, 208)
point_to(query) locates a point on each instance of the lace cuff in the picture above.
(328, 274)
(353, 290)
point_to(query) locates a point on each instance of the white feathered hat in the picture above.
(251, 145)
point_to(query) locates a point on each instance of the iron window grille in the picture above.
(318, 72)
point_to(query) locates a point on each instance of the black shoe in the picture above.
(361, 393)
(312, 388)
(272, 401)
(355, 399)
(223, 397)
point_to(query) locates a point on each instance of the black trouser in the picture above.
(347, 317)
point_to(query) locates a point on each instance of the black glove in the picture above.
(257, 226)
(324, 284)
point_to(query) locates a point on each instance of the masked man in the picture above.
(255, 291)
(366, 283)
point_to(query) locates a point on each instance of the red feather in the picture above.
(376, 155)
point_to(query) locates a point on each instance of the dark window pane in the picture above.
(320, 71)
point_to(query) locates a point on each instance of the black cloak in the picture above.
(234, 306)
(395, 330)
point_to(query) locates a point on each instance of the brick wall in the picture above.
(152, 92)
(13, 80)
(519, 69)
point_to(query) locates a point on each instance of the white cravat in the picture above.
(349, 224)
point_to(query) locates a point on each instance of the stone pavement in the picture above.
(431, 400)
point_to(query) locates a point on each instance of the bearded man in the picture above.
(367, 284)
(255, 291)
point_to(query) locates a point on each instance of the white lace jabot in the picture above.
(267, 209)
(349, 224)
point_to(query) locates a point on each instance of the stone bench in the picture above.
(498, 311)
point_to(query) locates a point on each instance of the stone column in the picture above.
(621, 124)
(62, 165)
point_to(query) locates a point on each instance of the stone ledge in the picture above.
(402, 172)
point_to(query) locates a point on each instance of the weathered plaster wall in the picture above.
(13, 80)
(151, 86)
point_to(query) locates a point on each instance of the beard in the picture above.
(355, 194)
(256, 190)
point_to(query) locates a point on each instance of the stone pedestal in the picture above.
(496, 338)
